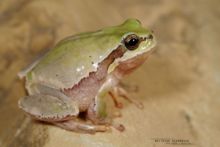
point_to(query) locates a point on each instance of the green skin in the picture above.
(71, 60)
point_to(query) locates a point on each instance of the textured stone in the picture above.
(179, 85)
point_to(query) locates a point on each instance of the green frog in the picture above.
(74, 77)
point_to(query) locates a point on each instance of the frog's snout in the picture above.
(149, 37)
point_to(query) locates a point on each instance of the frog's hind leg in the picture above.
(79, 126)
(48, 108)
(48, 104)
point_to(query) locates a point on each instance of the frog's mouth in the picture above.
(148, 42)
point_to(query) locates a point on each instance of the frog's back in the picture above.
(72, 59)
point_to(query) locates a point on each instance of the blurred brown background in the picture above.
(179, 84)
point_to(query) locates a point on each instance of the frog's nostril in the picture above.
(150, 37)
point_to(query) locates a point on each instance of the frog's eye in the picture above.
(131, 42)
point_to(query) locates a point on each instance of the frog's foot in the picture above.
(48, 108)
(116, 102)
(107, 122)
(118, 127)
(120, 91)
(96, 118)
(79, 126)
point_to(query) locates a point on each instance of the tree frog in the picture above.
(74, 77)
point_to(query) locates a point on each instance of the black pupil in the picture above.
(133, 42)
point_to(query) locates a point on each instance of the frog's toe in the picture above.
(79, 126)
(48, 108)
(120, 91)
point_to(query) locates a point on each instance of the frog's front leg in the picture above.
(97, 111)
(48, 104)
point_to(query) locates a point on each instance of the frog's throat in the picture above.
(128, 66)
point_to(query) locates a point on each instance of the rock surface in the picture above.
(179, 85)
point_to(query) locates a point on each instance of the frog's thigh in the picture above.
(40, 88)
(79, 126)
(49, 104)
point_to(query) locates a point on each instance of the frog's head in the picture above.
(134, 38)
